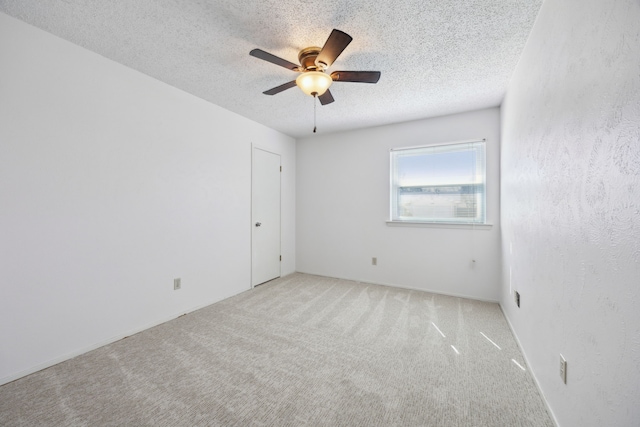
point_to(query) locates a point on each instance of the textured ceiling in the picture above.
(436, 56)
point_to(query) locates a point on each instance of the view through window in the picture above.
(439, 183)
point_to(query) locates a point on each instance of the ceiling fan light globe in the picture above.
(314, 82)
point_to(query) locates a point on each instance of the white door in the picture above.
(265, 216)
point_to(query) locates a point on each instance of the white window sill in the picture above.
(440, 225)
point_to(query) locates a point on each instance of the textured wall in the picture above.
(571, 208)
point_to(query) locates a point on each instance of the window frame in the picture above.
(480, 220)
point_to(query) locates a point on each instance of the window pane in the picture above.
(443, 183)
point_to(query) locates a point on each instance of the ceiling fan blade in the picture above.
(266, 56)
(333, 47)
(356, 76)
(326, 98)
(280, 88)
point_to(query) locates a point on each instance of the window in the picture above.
(439, 183)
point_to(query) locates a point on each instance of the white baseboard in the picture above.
(392, 285)
(526, 359)
(78, 352)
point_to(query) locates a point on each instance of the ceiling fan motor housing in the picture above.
(307, 58)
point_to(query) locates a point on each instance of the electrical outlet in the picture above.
(374, 261)
(177, 284)
(563, 369)
(516, 296)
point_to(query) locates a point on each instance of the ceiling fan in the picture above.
(314, 62)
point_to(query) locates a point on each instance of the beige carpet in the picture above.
(299, 351)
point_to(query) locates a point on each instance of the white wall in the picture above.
(111, 185)
(343, 203)
(571, 208)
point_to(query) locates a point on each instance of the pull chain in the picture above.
(314, 111)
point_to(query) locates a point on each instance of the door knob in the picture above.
(258, 224)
